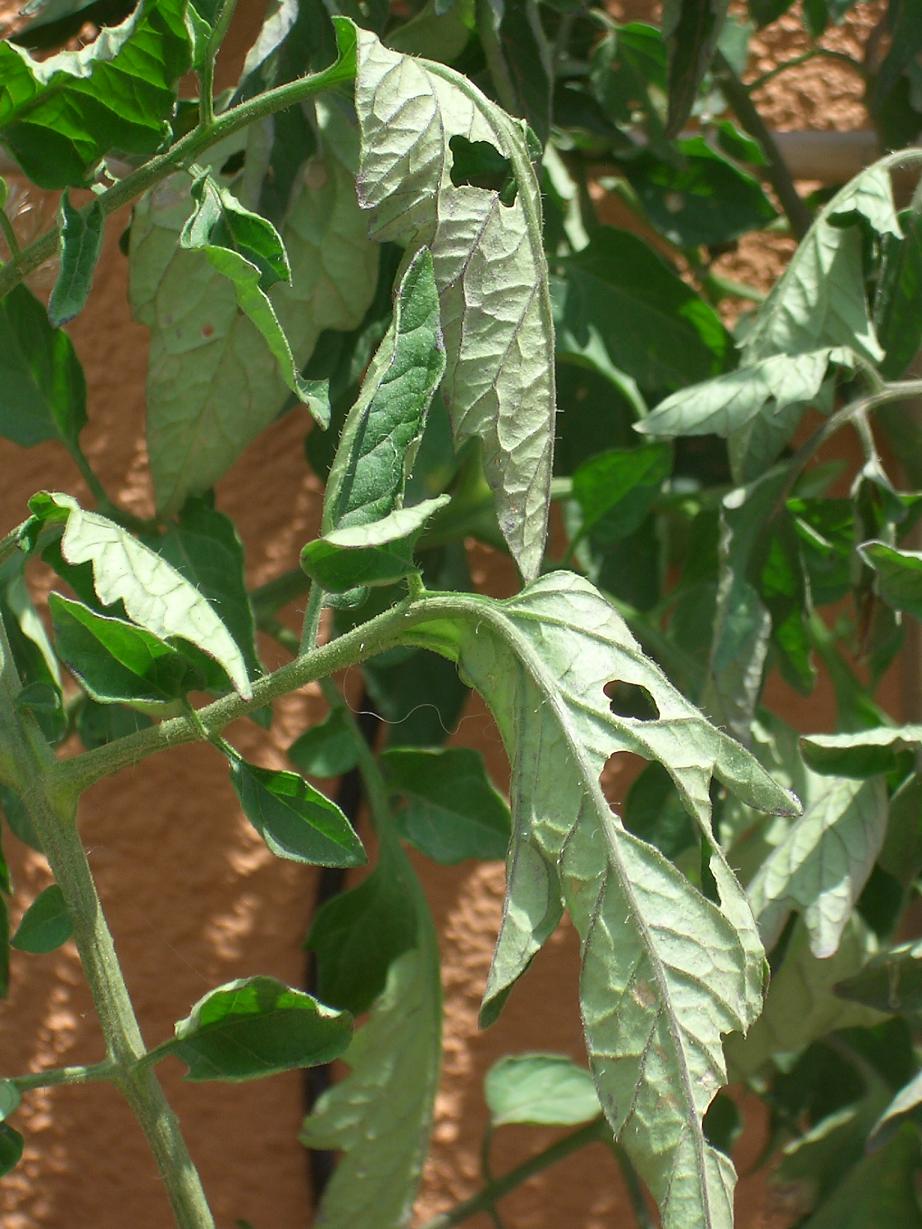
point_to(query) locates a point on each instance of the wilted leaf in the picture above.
(489, 267)
(295, 820)
(154, 594)
(60, 115)
(452, 810)
(823, 863)
(45, 924)
(253, 1027)
(666, 972)
(541, 1090)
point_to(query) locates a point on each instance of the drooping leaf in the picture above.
(657, 955)
(383, 429)
(80, 243)
(154, 594)
(898, 289)
(253, 1027)
(489, 267)
(891, 981)
(452, 810)
(691, 29)
(33, 655)
(44, 391)
(11, 1145)
(60, 115)
(861, 754)
(327, 749)
(541, 1090)
(380, 1115)
(822, 865)
(295, 820)
(619, 295)
(116, 661)
(203, 545)
(899, 575)
(45, 924)
(213, 383)
(370, 552)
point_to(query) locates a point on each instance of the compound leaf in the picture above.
(665, 971)
(253, 1027)
(489, 266)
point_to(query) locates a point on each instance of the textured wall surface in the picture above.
(195, 899)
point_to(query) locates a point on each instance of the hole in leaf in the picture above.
(234, 163)
(479, 164)
(631, 700)
(654, 811)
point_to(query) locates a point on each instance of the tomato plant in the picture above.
(388, 226)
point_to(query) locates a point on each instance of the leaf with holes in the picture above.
(254, 1027)
(489, 267)
(154, 594)
(666, 972)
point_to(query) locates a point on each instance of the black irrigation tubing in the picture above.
(331, 881)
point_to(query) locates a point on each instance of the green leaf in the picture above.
(419, 696)
(901, 855)
(823, 863)
(45, 924)
(891, 981)
(326, 749)
(44, 392)
(520, 60)
(540, 1090)
(700, 197)
(255, 262)
(295, 820)
(213, 383)
(385, 425)
(4, 948)
(489, 267)
(731, 402)
(899, 288)
(820, 300)
(9, 1099)
(657, 955)
(369, 552)
(11, 1145)
(155, 595)
(452, 810)
(621, 297)
(98, 724)
(691, 29)
(861, 754)
(253, 1027)
(33, 655)
(80, 244)
(880, 1189)
(60, 115)
(899, 575)
(116, 661)
(616, 490)
(905, 1105)
(203, 545)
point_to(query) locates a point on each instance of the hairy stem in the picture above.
(206, 76)
(93, 1072)
(29, 763)
(495, 1190)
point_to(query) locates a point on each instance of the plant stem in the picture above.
(312, 613)
(796, 212)
(53, 817)
(106, 1070)
(495, 1190)
(825, 53)
(186, 149)
(206, 76)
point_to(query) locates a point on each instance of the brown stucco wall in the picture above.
(195, 899)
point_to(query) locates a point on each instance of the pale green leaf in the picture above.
(820, 300)
(906, 1102)
(383, 428)
(397, 525)
(666, 972)
(801, 1005)
(822, 864)
(253, 1027)
(213, 384)
(80, 245)
(899, 575)
(489, 267)
(863, 753)
(890, 981)
(540, 1089)
(155, 595)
